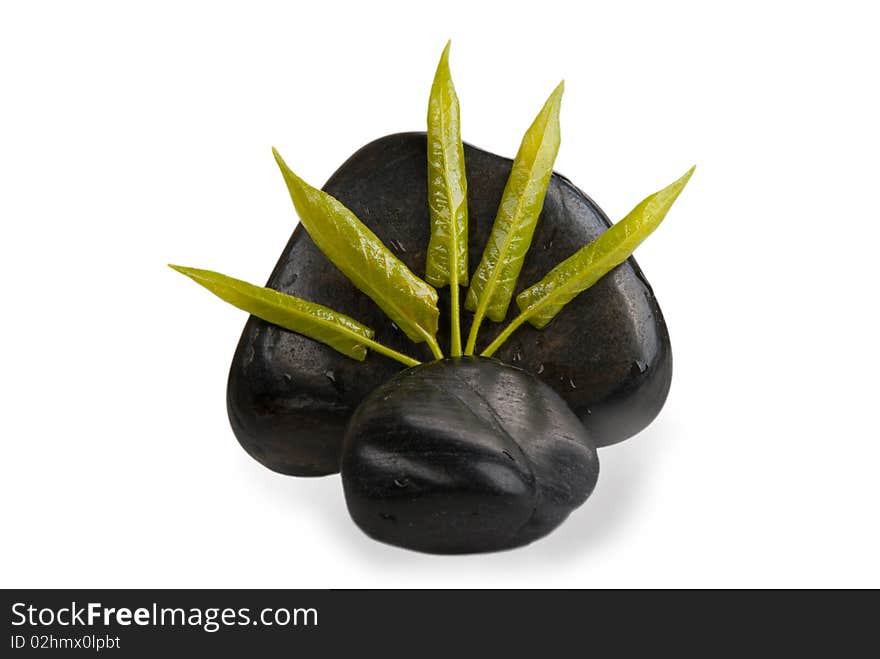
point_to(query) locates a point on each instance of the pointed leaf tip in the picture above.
(279, 160)
(189, 272)
(445, 56)
(670, 193)
(443, 76)
(554, 101)
(286, 172)
(687, 175)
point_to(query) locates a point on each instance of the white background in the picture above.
(130, 138)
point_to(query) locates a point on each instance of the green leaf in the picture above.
(447, 185)
(447, 257)
(408, 300)
(540, 303)
(315, 321)
(585, 267)
(494, 281)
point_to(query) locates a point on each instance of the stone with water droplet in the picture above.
(297, 426)
(494, 458)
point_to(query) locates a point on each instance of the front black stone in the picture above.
(607, 353)
(465, 455)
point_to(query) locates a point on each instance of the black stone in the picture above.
(465, 455)
(607, 353)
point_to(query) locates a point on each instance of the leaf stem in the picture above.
(475, 328)
(455, 326)
(388, 352)
(434, 346)
(431, 340)
(501, 338)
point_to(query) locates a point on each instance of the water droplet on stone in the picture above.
(288, 377)
(335, 381)
(540, 369)
(401, 482)
(394, 325)
(571, 383)
(638, 367)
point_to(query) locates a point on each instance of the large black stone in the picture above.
(607, 353)
(465, 455)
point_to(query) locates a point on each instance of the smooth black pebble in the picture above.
(465, 455)
(291, 416)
